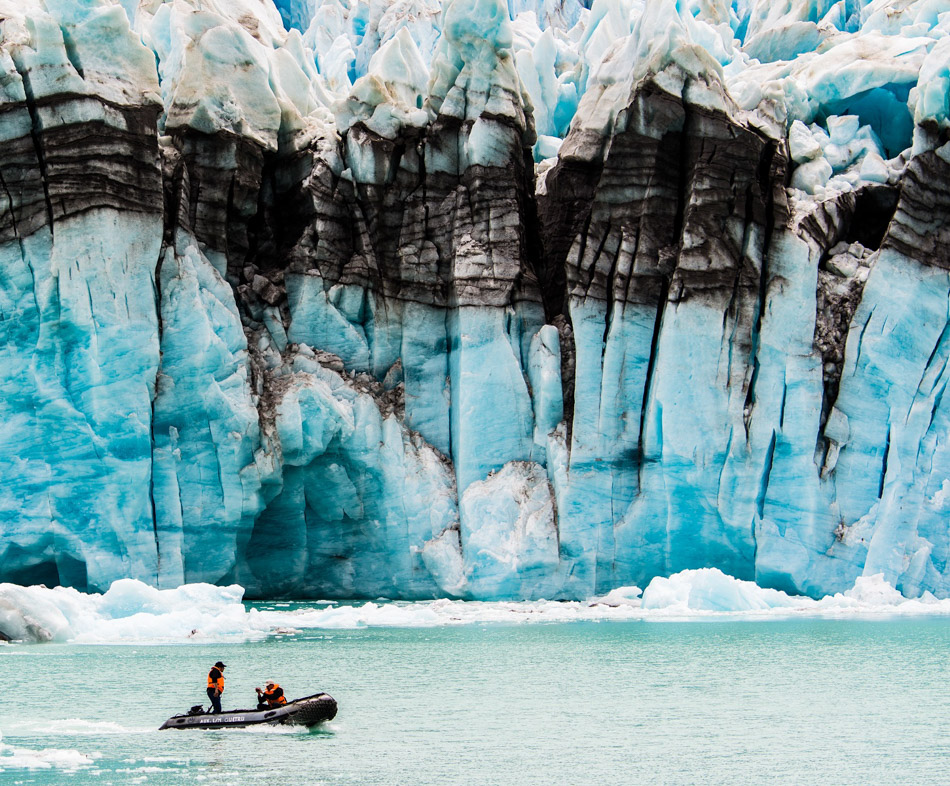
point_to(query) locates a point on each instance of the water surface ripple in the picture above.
(814, 701)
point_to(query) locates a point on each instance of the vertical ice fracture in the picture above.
(481, 299)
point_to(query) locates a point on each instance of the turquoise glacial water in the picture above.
(811, 701)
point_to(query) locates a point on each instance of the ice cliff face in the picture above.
(483, 299)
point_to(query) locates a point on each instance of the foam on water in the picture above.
(131, 612)
(77, 727)
(16, 758)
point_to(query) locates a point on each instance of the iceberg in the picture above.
(501, 301)
(709, 589)
(132, 612)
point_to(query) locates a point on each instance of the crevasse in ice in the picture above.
(484, 299)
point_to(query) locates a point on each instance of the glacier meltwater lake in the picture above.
(475, 699)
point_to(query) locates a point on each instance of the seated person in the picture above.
(272, 696)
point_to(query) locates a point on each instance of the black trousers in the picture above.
(215, 700)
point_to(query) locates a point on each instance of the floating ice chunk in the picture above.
(81, 727)
(622, 596)
(127, 597)
(27, 614)
(136, 613)
(709, 589)
(129, 610)
(874, 591)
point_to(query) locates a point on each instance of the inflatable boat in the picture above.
(308, 711)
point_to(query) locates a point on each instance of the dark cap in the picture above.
(220, 665)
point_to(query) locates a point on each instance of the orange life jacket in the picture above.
(218, 683)
(272, 699)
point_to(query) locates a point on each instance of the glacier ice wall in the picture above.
(520, 299)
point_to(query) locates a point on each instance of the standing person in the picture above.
(216, 686)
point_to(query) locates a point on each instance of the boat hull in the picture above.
(307, 711)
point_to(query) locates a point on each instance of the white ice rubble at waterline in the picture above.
(131, 612)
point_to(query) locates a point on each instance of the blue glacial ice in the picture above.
(488, 300)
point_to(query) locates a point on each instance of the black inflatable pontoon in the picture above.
(308, 711)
